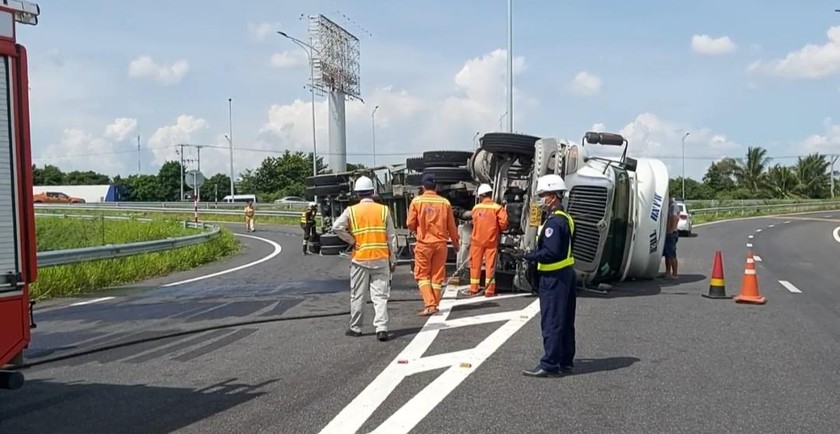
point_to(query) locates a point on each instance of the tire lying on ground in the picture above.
(448, 175)
(446, 158)
(509, 143)
(332, 250)
(415, 164)
(332, 240)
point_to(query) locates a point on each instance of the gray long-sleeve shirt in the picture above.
(340, 228)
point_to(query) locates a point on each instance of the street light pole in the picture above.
(304, 46)
(230, 143)
(510, 65)
(683, 165)
(833, 160)
(373, 132)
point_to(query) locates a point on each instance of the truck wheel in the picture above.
(446, 158)
(332, 240)
(325, 190)
(509, 143)
(322, 180)
(413, 179)
(11, 380)
(415, 164)
(332, 250)
(449, 175)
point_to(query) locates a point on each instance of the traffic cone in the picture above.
(749, 286)
(717, 286)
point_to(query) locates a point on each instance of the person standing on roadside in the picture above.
(307, 223)
(671, 237)
(249, 216)
(430, 217)
(369, 229)
(557, 281)
(489, 220)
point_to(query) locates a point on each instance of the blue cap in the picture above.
(428, 179)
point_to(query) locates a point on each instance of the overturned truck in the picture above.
(617, 202)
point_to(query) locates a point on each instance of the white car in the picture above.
(686, 221)
(292, 200)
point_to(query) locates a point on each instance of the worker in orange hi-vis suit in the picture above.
(430, 217)
(489, 220)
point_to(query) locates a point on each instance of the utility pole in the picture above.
(373, 132)
(181, 154)
(510, 65)
(833, 160)
(683, 165)
(198, 189)
(138, 154)
(230, 142)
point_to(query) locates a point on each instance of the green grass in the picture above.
(67, 280)
(802, 207)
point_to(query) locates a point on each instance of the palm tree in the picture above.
(782, 182)
(814, 180)
(750, 173)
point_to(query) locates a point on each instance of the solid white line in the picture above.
(789, 286)
(836, 234)
(757, 258)
(277, 250)
(95, 300)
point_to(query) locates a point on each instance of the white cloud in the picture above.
(120, 129)
(288, 59)
(164, 140)
(260, 31)
(585, 84)
(707, 45)
(809, 62)
(145, 67)
(650, 136)
(826, 143)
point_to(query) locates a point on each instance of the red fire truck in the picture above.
(18, 260)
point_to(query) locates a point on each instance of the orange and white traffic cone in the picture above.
(749, 285)
(717, 287)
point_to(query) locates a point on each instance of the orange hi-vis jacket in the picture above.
(489, 220)
(430, 217)
(369, 226)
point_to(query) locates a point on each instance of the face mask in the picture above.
(545, 202)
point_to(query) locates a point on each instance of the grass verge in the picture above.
(728, 215)
(74, 279)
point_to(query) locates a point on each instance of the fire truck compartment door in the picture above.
(9, 224)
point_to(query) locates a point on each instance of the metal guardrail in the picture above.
(289, 207)
(86, 254)
(743, 209)
(168, 210)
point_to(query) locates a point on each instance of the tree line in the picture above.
(275, 177)
(752, 177)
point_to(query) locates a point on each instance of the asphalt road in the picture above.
(652, 356)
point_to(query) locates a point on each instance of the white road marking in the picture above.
(757, 258)
(836, 234)
(771, 226)
(790, 287)
(277, 250)
(787, 222)
(758, 230)
(95, 300)
(751, 236)
(749, 245)
(411, 361)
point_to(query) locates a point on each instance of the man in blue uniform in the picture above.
(556, 277)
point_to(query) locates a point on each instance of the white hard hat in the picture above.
(484, 189)
(550, 184)
(363, 183)
(313, 204)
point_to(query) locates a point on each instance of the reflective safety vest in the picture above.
(569, 261)
(369, 226)
(305, 219)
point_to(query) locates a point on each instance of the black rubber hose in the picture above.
(78, 354)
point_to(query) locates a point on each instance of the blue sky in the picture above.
(732, 73)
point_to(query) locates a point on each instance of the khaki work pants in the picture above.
(377, 283)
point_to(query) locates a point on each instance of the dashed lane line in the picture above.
(757, 258)
(790, 287)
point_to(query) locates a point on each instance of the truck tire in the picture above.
(11, 380)
(415, 164)
(509, 143)
(449, 175)
(446, 158)
(325, 190)
(322, 180)
(332, 240)
(413, 179)
(332, 250)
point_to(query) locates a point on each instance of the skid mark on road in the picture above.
(790, 287)
(275, 252)
(411, 361)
